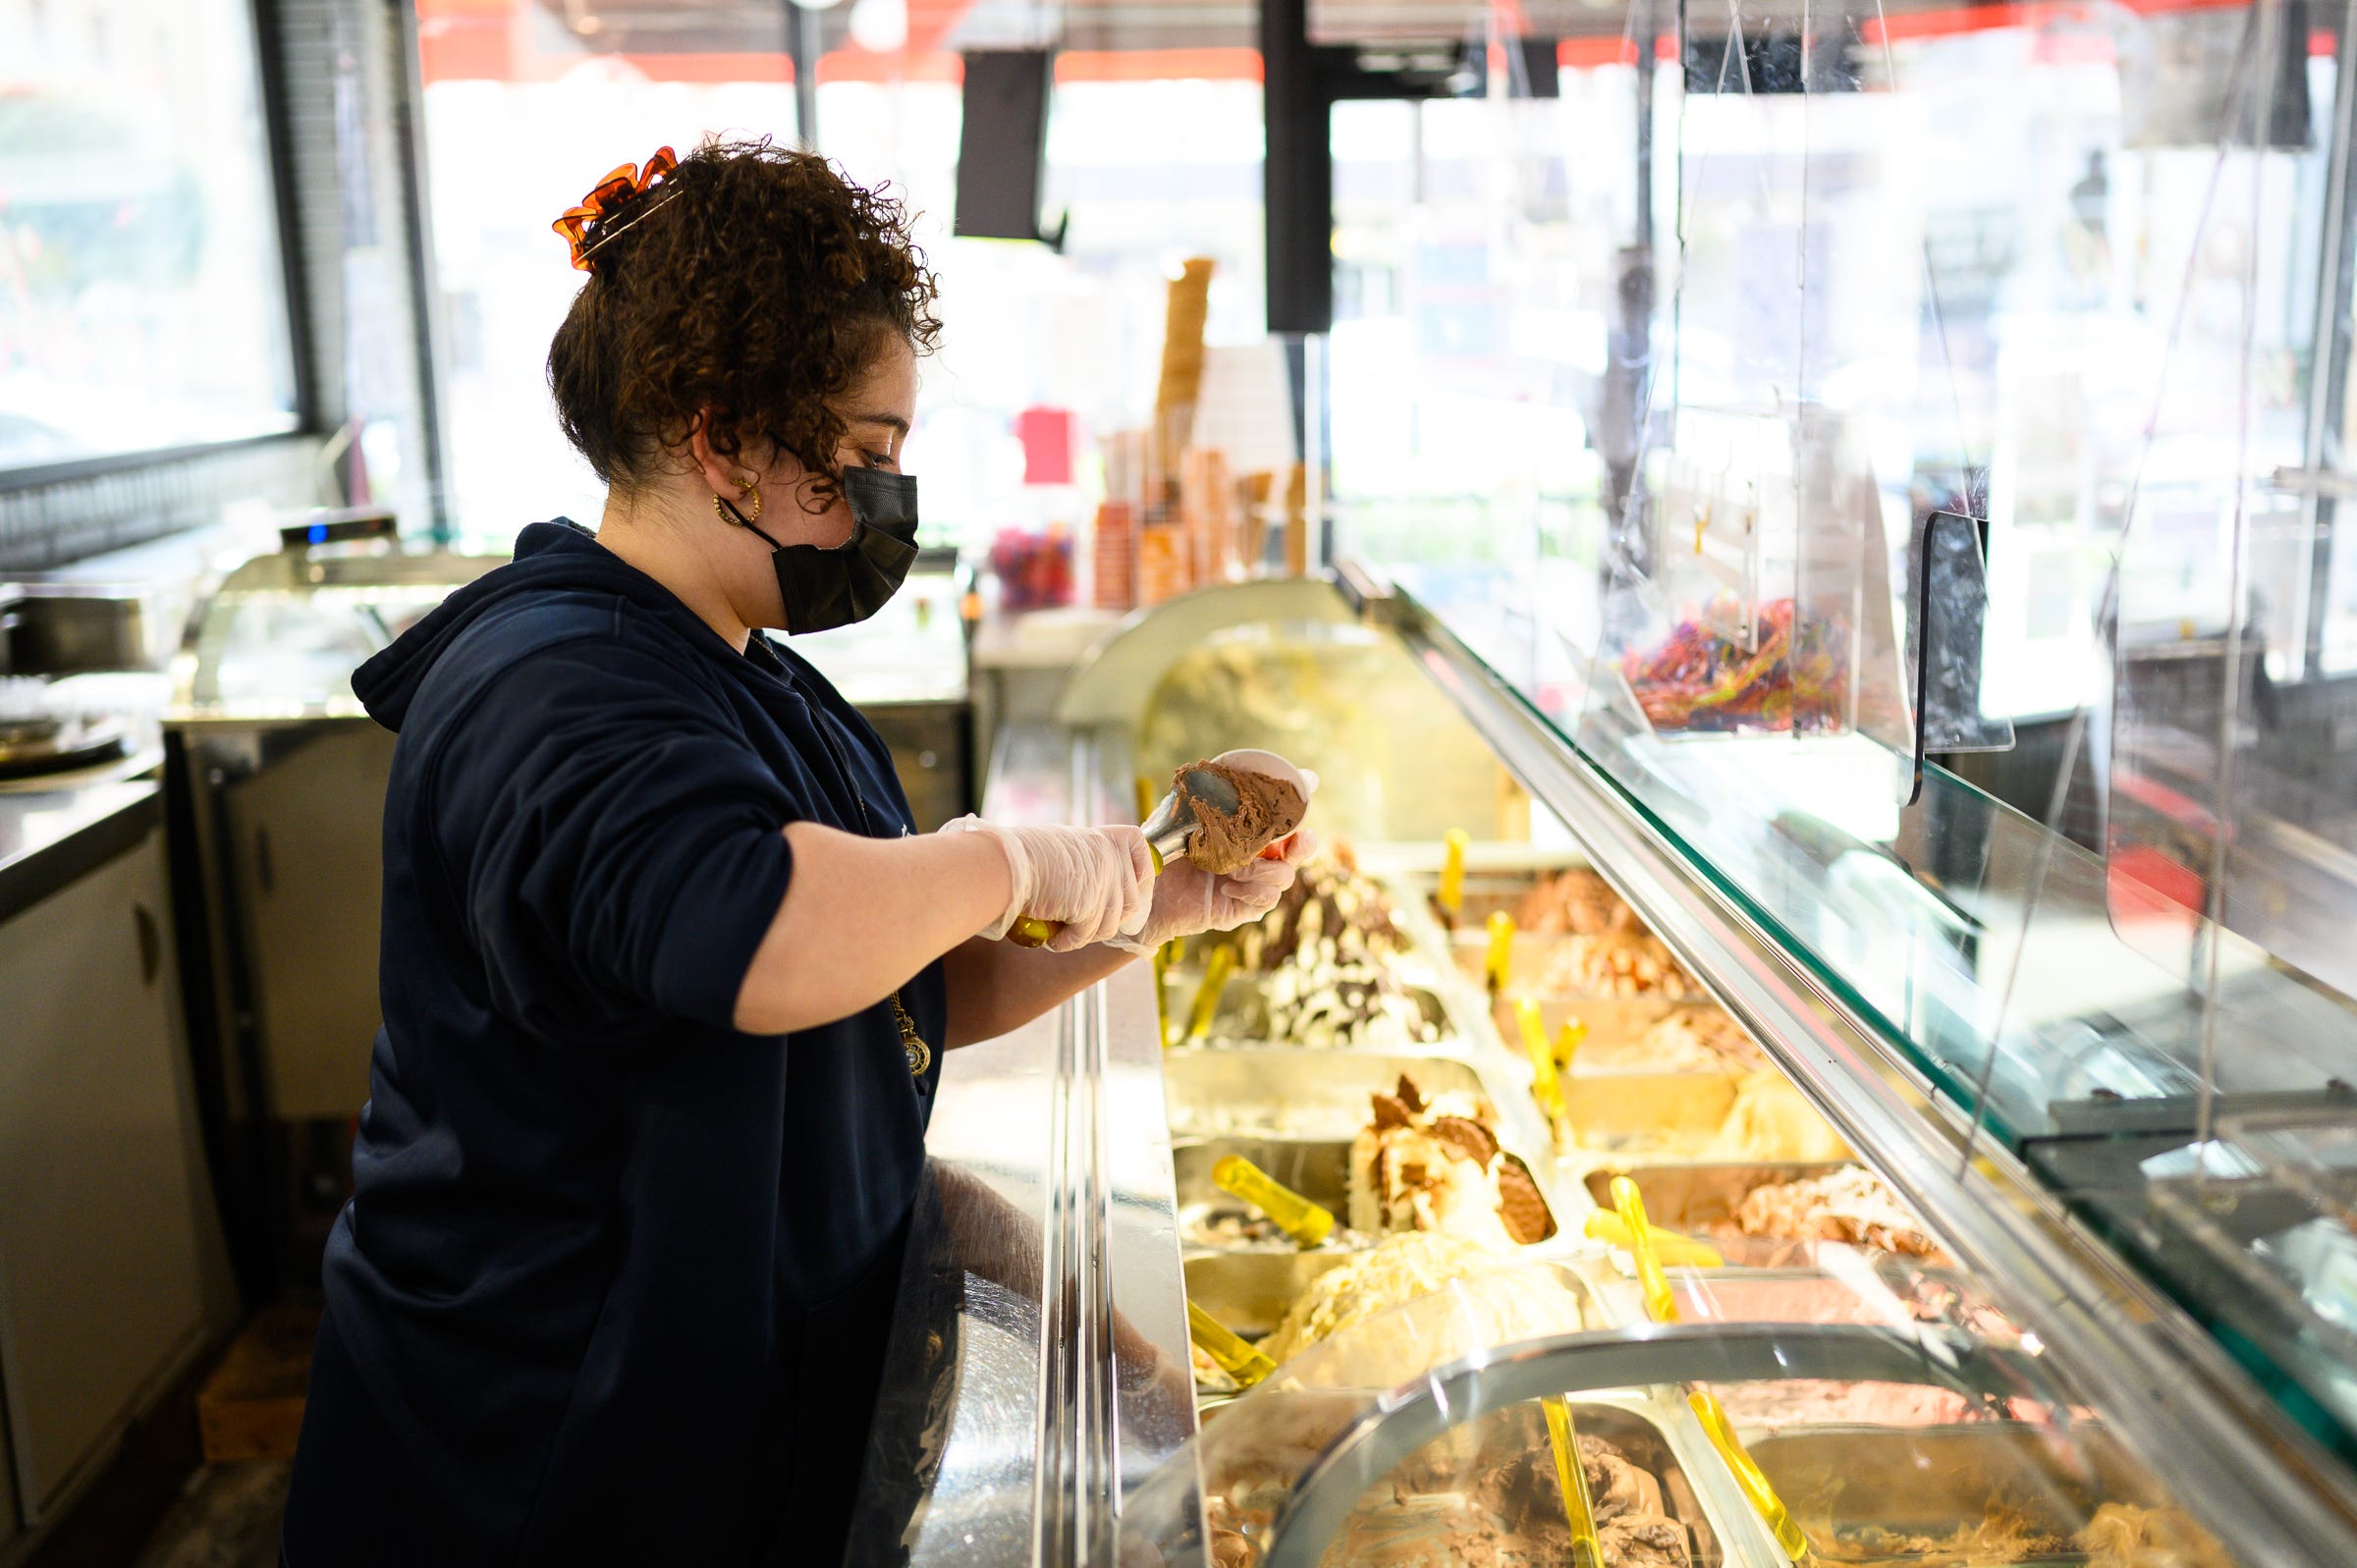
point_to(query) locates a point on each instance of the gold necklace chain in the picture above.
(913, 1044)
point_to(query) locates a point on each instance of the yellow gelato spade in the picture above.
(1748, 1475)
(1216, 970)
(1660, 1305)
(1672, 1248)
(1587, 1551)
(1452, 894)
(1500, 954)
(1305, 1222)
(1236, 1357)
(1544, 1084)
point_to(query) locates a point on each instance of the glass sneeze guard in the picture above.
(2099, 321)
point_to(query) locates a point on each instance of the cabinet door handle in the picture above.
(152, 943)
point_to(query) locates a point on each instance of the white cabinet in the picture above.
(101, 1233)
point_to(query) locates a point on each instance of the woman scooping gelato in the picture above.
(666, 972)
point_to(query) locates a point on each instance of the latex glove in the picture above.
(1189, 901)
(1097, 881)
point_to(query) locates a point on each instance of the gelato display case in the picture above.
(1828, 1030)
(1514, 1158)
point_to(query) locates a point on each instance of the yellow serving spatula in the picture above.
(1306, 1223)
(1236, 1357)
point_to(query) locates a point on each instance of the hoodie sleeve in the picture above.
(613, 831)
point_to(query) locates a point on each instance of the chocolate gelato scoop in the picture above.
(1237, 808)
(1220, 813)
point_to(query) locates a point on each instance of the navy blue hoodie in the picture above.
(613, 1281)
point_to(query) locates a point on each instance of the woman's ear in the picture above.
(721, 473)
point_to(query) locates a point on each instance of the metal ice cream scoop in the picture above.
(1173, 820)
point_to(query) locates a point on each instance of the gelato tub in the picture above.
(1708, 1201)
(1318, 1169)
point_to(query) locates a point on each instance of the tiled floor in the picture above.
(227, 1517)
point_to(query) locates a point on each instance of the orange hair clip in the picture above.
(619, 188)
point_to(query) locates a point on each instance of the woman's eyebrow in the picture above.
(892, 419)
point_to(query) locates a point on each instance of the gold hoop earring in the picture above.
(730, 514)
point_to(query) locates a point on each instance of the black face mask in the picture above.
(828, 589)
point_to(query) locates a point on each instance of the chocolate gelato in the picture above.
(1267, 809)
(1450, 1507)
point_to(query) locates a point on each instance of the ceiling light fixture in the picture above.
(880, 26)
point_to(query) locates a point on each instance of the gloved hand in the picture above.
(1096, 881)
(1188, 900)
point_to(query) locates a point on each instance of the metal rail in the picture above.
(1075, 1478)
(2170, 1393)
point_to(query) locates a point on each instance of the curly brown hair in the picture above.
(755, 282)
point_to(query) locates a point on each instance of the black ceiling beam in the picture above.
(1300, 82)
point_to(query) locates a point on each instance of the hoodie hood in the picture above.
(557, 557)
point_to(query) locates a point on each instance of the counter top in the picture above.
(50, 837)
(1041, 639)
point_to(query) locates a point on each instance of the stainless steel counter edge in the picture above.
(51, 839)
(2175, 1398)
(1037, 1371)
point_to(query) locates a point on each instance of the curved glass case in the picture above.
(1775, 1442)
(1496, 1031)
(1956, 586)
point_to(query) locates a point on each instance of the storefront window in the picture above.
(1144, 170)
(142, 292)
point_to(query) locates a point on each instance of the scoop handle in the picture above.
(1216, 970)
(1748, 1475)
(1668, 1245)
(1031, 930)
(1500, 955)
(1571, 1476)
(1660, 1305)
(1305, 1222)
(1452, 893)
(1235, 1356)
(1544, 1084)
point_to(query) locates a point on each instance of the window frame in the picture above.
(270, 86)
